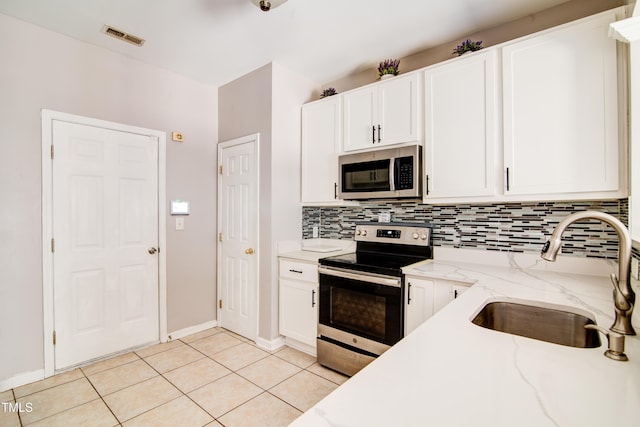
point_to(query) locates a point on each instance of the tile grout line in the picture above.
(232, 371)
(102, 397)
(181, 393)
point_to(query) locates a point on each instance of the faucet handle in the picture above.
(619, 298)
(615, 343)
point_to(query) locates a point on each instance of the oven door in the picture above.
(363, 310)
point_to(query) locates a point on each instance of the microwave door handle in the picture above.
(392, 174)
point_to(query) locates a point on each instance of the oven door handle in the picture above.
(361, 276)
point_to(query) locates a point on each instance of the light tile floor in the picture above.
(211, 378)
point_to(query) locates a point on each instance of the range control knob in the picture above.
(424, 236)
(358, 232)
(415, 236)
(364, 233)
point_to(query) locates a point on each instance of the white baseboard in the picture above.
(305, 348)
(176, 335)
(270, 345)
(21, 379)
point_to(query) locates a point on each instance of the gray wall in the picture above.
(244, 108)
(42, 69)
(268, 101)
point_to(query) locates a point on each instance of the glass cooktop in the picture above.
(389, 264)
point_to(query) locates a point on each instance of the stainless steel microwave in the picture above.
(392, 173)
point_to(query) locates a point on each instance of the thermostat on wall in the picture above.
(179, 207)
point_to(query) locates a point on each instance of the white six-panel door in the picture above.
(105, 228)
(238, 236)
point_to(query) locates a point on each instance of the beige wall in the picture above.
(42, 69)
(558, 15)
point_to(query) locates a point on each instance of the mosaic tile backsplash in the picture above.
(509, 227)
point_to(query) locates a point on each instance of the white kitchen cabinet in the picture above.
(298, 303)
(560, 110)
(461, 126)
(445, 291)
(381, 114)
(425, 297)
(321, 129)
(418, 302)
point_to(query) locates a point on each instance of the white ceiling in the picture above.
(216, 41)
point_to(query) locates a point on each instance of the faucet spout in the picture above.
(623, 296)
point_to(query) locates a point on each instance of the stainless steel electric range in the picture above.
(361, 304)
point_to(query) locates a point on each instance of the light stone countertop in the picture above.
(450, 372)
(311, 250)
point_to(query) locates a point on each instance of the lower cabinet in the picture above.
(298, 311)
(424, 298)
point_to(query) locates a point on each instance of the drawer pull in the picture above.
(313, 298)
(295, 271)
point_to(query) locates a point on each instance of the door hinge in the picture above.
(53, 245)
(220, 303)
(220, 237)
(52, 151)
(54, 337)
(220, 169)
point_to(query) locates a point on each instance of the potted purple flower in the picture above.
(328, 92)
(467, 46)
(388, 68)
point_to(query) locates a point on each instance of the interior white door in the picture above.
(238, 227)
(105, 228)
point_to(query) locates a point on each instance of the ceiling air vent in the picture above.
(124, 36)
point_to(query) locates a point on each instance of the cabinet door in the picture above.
(398, 110)
(360, 114)
(418, 303)
(560, 110)
(461, 127)
(299, 311)
(444, 292)
(320, 147)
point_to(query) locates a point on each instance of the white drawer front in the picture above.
(299, 271)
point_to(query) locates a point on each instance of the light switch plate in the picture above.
(179, 223)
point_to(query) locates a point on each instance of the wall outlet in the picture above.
(314, 232)
(180, 223)
(634, 268)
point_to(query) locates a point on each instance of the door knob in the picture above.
(152, 250)
(249, 251)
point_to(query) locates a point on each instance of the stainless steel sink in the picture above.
(554, 325)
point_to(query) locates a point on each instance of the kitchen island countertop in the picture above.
(450, 372)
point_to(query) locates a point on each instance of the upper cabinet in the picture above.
(320, 148)
(560, 111)
(381, 114)
(461, 133)
(542, 117)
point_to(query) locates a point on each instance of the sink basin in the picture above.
(550, 323)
